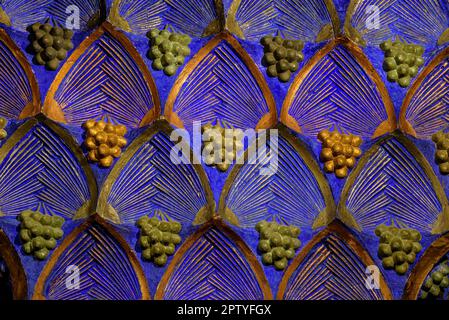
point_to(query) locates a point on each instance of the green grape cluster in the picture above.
(168, 50)
(402, 61)
(158, 239)
(39, 232)
(278, 243)
(3, 123)
(441, 140)
(436, 282)
(398, 247)
(50, 44)
(282, 56)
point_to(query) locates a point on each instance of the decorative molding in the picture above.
(235, 248)
(20, 14)
(110, 97)
(54, 140)
(17, 273)
(205, 58)
(197, 18)
(336, 273)
(352, 87)
(20, 95)
(322, 218)
(68, 246)
(426, 263)
(404, 164)
(416, 21)
(427, 99)
(137, 147)
(308, 20)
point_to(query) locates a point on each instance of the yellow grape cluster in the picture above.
(219, 150)
(339, 152)
(104, 141)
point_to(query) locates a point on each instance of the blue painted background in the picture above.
(217, 179)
